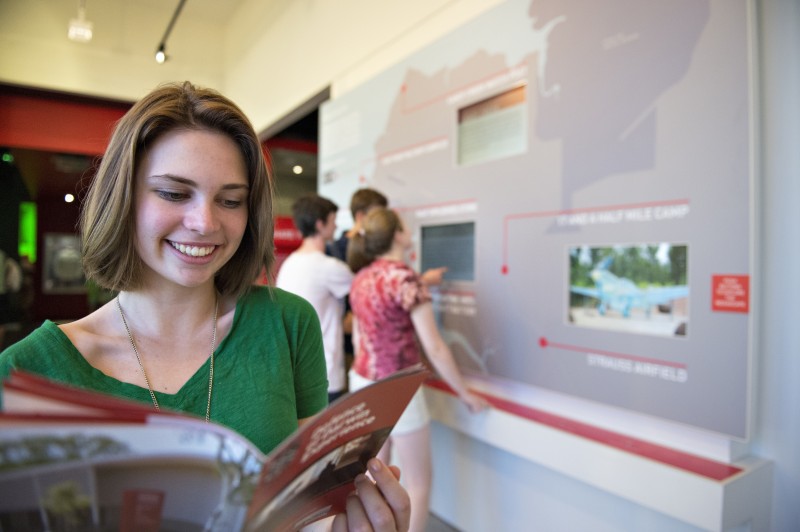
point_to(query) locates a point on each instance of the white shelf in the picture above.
(716, 504)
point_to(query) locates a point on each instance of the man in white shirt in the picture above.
(322, 280)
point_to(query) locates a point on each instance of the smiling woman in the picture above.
(191, 206)
(109, 201)
(179, 221)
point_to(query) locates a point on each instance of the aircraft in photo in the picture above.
(622, 295)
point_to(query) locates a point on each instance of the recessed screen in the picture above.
(451, 245)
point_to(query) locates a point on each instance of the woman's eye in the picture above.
(171, 195)
(231, 203)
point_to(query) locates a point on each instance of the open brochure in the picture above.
(72, 459)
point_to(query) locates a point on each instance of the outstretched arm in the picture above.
(440, 355)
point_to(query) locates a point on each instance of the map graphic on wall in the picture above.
(584, 169)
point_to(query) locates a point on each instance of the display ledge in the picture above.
(705, 493)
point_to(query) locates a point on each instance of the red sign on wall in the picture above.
(730, 293)
(286, 234)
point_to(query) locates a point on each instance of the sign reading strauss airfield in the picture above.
(584, 170)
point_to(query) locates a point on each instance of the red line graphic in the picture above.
(545, 343)
(433, 141)
(409, 208)
(548, 214)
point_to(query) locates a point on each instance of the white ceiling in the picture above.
(217, 11)
(212, 10)
(118, 63)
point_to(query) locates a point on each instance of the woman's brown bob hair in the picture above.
(107, 218)
(375, 237)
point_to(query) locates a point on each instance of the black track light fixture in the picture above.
(161, 53)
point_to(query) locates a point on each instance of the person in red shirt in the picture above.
(392, 308)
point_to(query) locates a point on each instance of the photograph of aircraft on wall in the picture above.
(639, 288)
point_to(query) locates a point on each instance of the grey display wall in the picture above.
(585, 170)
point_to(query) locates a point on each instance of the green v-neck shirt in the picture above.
(269, 371)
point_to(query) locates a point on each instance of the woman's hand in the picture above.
(474, 402)
(433, 277)
(380, 504)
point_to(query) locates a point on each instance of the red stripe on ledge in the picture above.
(695, 464)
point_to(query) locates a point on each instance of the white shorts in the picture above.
(414, 417)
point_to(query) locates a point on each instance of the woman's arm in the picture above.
(440, 355)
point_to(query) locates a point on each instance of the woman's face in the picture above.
(403, 237)
(191, 206)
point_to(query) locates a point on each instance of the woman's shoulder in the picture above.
(272, 309)
(42, 336)
(273, 299)
(396, 269)
(35, 349)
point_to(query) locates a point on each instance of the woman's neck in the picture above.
(395, 253)
(170, 311)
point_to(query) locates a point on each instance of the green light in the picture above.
(8, 158)
(27, 230)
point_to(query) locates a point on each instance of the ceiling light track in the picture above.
(161, 52)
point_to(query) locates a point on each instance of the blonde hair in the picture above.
(107, 217)
(375, 237)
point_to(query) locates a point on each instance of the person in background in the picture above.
(322, 280)
(361, 202)
(179, 221)
(11, 277)
(392, 309)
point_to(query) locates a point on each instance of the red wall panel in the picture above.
(56, 123)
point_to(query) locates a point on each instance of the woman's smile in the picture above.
(193, 251)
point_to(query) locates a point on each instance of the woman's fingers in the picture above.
(379, 504)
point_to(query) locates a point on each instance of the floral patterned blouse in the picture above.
(382, 297)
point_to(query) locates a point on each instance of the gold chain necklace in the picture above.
(144, 373)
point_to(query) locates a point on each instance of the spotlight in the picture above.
(297, 169)
(80, 29)
(161, 55)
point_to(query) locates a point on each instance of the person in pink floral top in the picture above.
(387, 292)
(392, 308)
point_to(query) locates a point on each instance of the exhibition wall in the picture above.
(469, 465)
(587, 179)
